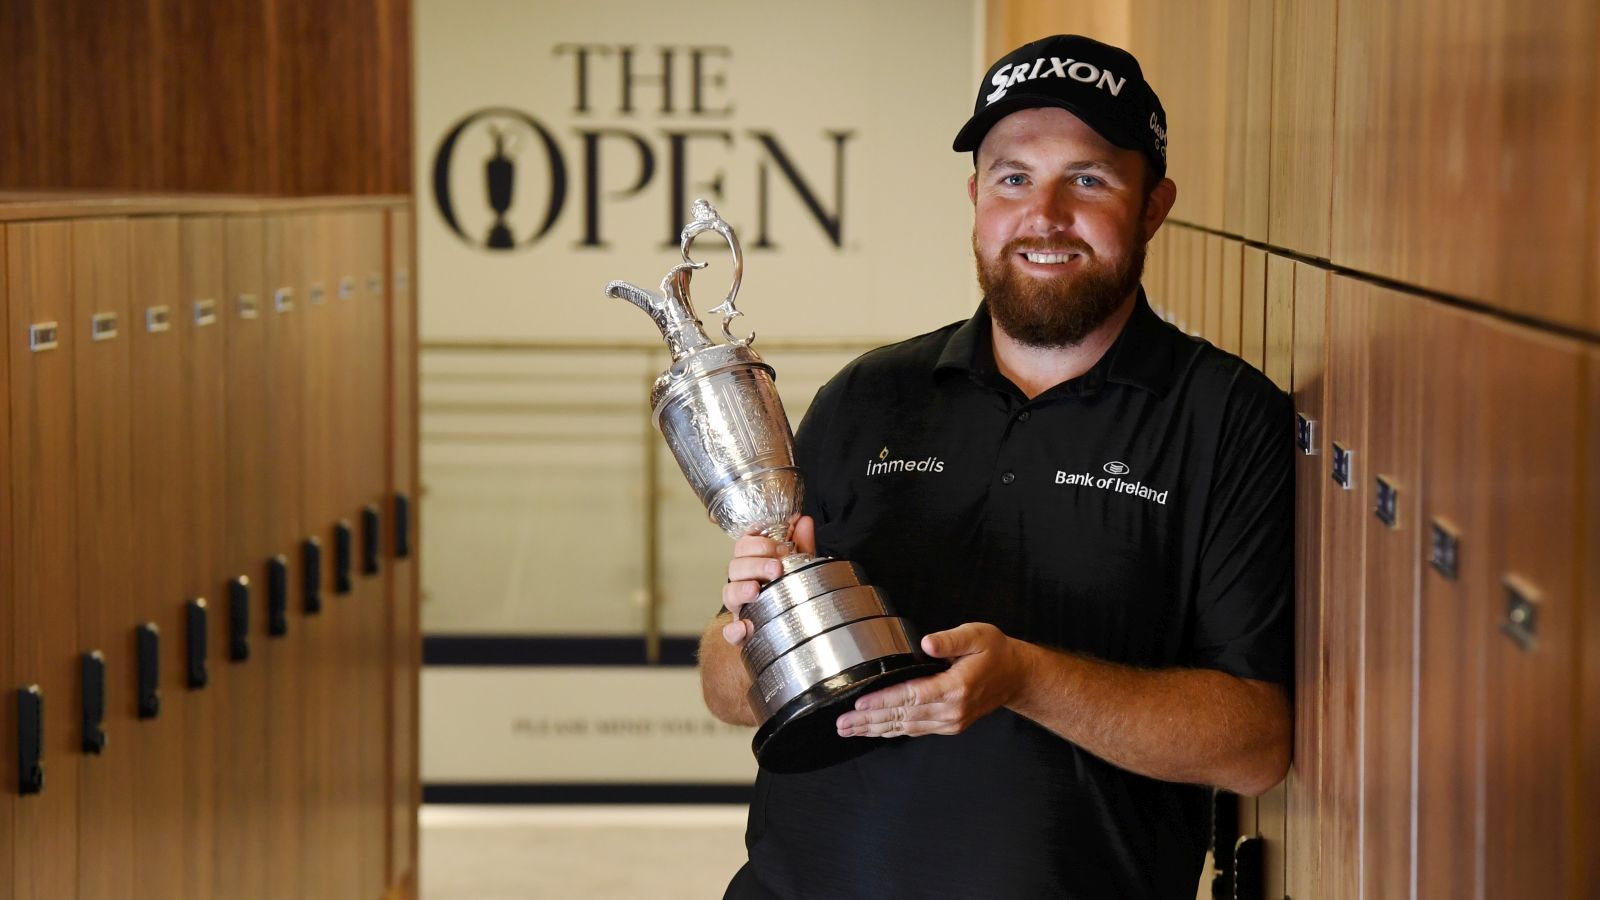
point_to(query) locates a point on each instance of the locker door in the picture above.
(1232, 296)
(1590, 885)
(405, 648)
(1393, 541)
(1154, 279)
(44, 514)
(1347, 509)
(104, 548)
(243, 685)
(160, 491)
(9, 680)
(1211, 295)
(1455, 602)
(1279, 321)
(282, 653)
(1253, 308)
(201, 315)
(1530, 738)
(1308, 289)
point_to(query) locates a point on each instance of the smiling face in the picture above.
(1060, 221)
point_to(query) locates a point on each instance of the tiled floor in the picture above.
(588, 852)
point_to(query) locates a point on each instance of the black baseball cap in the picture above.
(1098, 83)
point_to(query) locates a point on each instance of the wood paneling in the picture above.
(1253, 307)
(1232, 297)
(1455, 611)
(102, 433)
(1530, 736)
(1012, 23)
(1345, 517)
(44, 574)
(1301, 166)
(242, 739)
(8, 678)
(1211, 291)
(162, 490)
(1249, 136)
(251, 96)
(404, 623)
(1589, 687)
(1308, 289)
(1389, 619)
(203, 396)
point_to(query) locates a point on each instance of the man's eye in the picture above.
(1015, 179)
(1089, 181)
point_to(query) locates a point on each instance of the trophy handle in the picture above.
(706, 219)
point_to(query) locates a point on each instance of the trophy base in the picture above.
(802, 736)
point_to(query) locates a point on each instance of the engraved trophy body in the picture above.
(823, 635)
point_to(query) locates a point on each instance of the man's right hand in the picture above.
(756, 561)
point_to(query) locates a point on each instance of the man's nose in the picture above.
(1051, 210)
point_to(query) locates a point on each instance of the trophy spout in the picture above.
(670, 310)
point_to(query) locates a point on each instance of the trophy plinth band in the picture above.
(823, 634)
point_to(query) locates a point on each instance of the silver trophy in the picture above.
(823, 635)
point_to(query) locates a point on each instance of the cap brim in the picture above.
(971, 135)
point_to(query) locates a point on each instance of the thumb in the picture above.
(959, 641)
(805, 535)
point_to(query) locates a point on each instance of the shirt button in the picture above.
(1024, 416)
(1007, 478)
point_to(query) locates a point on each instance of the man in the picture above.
(1103, 556)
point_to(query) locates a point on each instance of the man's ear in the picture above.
(1162, 197)
(972, 188)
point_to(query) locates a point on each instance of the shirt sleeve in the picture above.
(1244, 606)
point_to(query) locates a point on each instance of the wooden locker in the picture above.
(405, 646)
(1211, 291)
(1232, 296)
(320, 509)
(1301, 167)
(1153, 279)
(1531, 734)
(1308, 290)
(1393, 542)
(243, 686)
(42, 482)
(281, 649)
(104, 553)
(1253, 307)
(9, 680)
(1278, 324)
(1455, 602)
(1367, 198)
(1345, 517)
(200, 317)
(1249, 140)
(1190, 284)
(161, 464)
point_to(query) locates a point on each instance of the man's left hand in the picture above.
(986, 672)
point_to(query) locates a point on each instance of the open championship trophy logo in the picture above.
(822, 635)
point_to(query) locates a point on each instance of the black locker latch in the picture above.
(149, 641)
(311, 574)
(402, 526)
(342, 552)
(30, 740)
(278, 596)
(197, 675)
(239, 619)
(94, 702)
(371, 539)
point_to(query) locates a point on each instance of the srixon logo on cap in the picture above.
(1054, 67)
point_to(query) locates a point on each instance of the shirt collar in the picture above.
(1142, 355)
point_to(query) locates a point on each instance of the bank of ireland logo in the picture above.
(1115, 468)
(1113, 481)
(476, 181)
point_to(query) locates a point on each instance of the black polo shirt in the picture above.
(1141, 513)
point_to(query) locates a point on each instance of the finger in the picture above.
(805, 535)
(736, 594)
(754, 568)
(910, 726)
(915, 692)
(736, 632)
(755, 545)
(894, 715)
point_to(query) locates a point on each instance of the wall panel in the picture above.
(1345, 518)
(9, 680)
(1301, 165)
(161, 464)
(104, 550)
(1279, 320)
(1211, 291)
(1392, 544)
(203, 396)
(242, 739)
(1309, 290)
(44, 575)
(404, 645)
(1455, 614)
(1249, 137)
(1590, 655)
(1530, 740)
(1232, 274)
